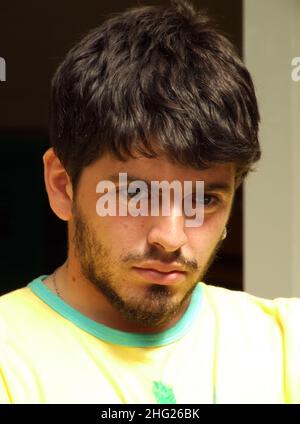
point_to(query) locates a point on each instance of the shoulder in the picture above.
(22, 300)
(15, 299)
(21, 310)
(249, 309)
(14, 306)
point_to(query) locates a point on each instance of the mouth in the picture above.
(160, 277)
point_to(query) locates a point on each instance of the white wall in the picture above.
(272, 193)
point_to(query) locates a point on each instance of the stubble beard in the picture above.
(156, 309)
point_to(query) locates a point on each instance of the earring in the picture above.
(224, 235)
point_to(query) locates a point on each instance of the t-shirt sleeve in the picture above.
(4, 391)
(288, 316)
(4, 396)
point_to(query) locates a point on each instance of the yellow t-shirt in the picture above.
(228, 347)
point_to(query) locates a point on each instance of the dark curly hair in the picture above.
(155, 76)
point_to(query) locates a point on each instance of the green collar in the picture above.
(112, 335)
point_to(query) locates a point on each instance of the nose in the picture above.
(167, 232)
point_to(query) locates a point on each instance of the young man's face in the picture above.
(111, 250)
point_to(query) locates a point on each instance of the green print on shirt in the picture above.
(163, 393)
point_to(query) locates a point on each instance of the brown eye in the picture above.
(206, 200)
(125, 193)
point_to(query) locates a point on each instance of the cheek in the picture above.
(215, 222)
(214, 225)
(203, 239)
(119, 231)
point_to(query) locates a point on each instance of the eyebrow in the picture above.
(216, 186)
(224, 187)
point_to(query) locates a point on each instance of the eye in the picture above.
(125, 194)
(208, 200)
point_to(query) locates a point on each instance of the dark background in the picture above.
(34, 38)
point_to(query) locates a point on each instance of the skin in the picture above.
(98, 278)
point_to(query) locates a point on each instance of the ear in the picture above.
(58, 186)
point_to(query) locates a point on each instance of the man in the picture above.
(153, 94)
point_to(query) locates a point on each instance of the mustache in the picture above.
(166, 259)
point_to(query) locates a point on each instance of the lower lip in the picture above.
(160, 277)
